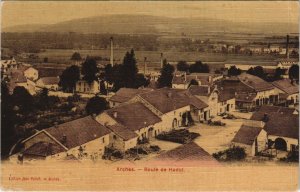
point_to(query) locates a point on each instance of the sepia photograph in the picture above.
(149, 95)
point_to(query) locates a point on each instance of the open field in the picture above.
(215, 60)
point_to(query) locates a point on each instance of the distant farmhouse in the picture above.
(182, 80)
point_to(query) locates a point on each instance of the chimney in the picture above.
(55, 124)
(209, 79)
(111, 51)
(185, 76)
(287, 46)
(208, 90)
(161, 60)
(94, 115)
(115, 114)
(145, 65)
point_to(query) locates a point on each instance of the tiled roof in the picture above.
(133, 116)
(201, 90)
(286, 86)
(187, 152)
(254, 82)
(43, 149)
(194, 101)
(225, 95)
(125, 94)
(165, 99)
(78, 132)
(50, 72)
(186, 79)
(259, 115)
(279, 121)
(246, 135)
(49, 80)
(245, 97)
(122, 132)
(282, 125)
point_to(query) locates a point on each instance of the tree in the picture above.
(76, 57)
(165, 79)
(141, 81)
(183, 66)
(96, 105)
(234, 71)
(103, 90)
(23, 100)
(89, 70)
(257, 71)
(44, 101)
(235, 153)
(8, 121)
(278, 73)
(193, 82)
(199, 67)
(129, 69)
(69, 78)
(125, 75)
(294, 72)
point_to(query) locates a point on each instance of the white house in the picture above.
(129, 124)
(250, 91)
(123, 95)
(83, 86)
(82, 138)
(252, 139)
(50, 83)
(288, 91)
(210, 96)
(168, 104)
(281, 125)
(182, 80)
(31, 73)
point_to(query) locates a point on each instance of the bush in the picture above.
(182, 136)
(232, 154)
(292, 156)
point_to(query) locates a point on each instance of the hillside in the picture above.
(144, 24)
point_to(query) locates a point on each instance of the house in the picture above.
(8, 64)
(183, 80)
(209, 95)
(123, 95)
(281, 125)
(190, 154)
(30, 73)
(288, 91)
(250, 91)
(83, 86)
(226, 101)
(173, 108)
(50, 83)
(81, 138)
(252, 139)
(129, 124)
(199, 110)
(49, 71)
(246, 65)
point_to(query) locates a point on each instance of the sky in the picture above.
(47, 12)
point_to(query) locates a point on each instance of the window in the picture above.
(115, 137)
(103, 140)
(180, 114)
